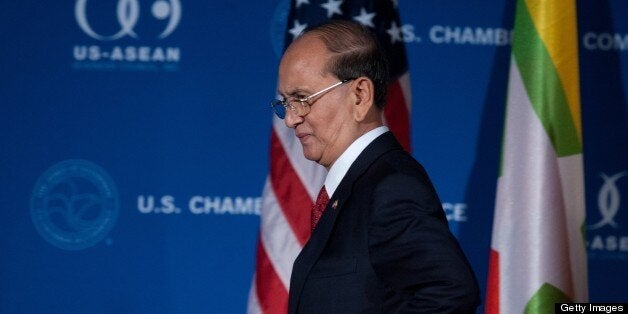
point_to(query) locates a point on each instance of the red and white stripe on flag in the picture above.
(294, 181)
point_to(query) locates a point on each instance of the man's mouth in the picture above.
(302, 136)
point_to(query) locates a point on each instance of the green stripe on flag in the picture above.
(543, 300)
(543, 85)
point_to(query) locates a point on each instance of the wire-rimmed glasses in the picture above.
(280, 106)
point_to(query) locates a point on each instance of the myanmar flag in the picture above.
(538, 254)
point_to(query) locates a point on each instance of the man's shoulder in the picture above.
(398, 162)
(397, 170)
(383, 160)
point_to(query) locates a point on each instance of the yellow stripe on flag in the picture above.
(555, 21)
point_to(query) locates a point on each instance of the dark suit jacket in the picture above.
(383, 245)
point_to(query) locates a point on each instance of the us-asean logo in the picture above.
(110, 22)
(128, 12)
(74, 204)
(608, 201)
(606, 234)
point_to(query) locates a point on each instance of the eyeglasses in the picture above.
(280, 106)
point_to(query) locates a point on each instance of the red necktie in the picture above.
(319, 206)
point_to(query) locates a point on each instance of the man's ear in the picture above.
(363, 92)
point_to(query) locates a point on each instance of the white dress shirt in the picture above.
(339, 169)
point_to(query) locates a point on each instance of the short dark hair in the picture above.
(357, 52)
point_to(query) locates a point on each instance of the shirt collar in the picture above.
(342, 164)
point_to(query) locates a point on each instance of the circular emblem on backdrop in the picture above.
(74, 204)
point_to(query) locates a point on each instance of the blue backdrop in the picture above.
(134, 143)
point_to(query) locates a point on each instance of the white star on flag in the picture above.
(332, 7)
(300, 2)
(365, 18)
(297, 29)
(395, 32)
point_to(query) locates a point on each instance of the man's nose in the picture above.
(293, 118)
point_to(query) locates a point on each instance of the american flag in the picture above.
(294, 182)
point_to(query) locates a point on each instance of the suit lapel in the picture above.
(315, 245)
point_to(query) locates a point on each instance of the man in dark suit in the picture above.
(380, 241)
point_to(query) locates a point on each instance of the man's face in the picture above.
(325, 132)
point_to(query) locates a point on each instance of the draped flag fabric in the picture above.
(294, 182)
(538, 254)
